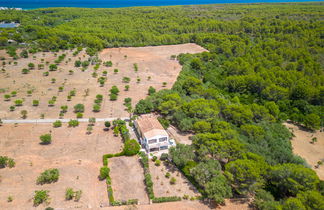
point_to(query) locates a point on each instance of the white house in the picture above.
(152, 135)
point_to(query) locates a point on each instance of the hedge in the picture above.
(166, 199)
(128, 202)
(147, 175)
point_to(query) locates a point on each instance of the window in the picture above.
(151, 141)
(154, 149)
(163, 147)
(163, 139)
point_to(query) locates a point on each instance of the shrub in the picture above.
(57, 124)
(92, 120)
(79, 108)
(154, 158)
(107, 124)
(6, 162)
(46, 138)
(114, 90)
(69, 194)
(10, 199)
(166, 199)
(52, 67)
(104, 172)
(48, 176)
(116, 71)
(113, 97)
(158, 162)
(164, 156)
(173, 180)
(18, 102)
(151, 90)
(79, 115)
(73, 123)
(126, 79)
(46, 73)
(126, 87)
(167, 175)
(131, 147)
(35, 102)
(24, 71)
(7, 97)
(40, 197)
(96, 108)
(77, 195)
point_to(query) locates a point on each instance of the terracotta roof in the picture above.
(150, 126)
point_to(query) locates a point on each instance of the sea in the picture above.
(34, 4)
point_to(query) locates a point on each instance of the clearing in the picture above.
(155, 67)
(78, 157)
(127, 178)
(303, 147)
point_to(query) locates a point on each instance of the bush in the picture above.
(154, 158)
(79, 115)
(46, 138)
(131, 147)
(158, 162)
(57, 124)
(114, 90)
(164, 156)
(167, 175)
(40, 197)
(166, 199)
(18, 102)
(113, 97)
(6, 162)
(151, 90)
(79, 108)
(107, 124)
(173, 180)
(48, 176)
(96, 108)
(69, 194)
(104, 172)
(35, 102)
(73, 123)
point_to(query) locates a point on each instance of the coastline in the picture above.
(31, 4)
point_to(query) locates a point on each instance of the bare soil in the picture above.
(162, 186)
(153, 62)
(77, 155)
(178, 136)
(127, 177)
(303, 147)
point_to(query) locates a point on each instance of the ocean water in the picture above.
(33, 4)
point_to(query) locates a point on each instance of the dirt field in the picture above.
(187, 205)
(78, 157)
(162, 186)
(127, 179)
(152, 62)
(303, 147)
(178, 136)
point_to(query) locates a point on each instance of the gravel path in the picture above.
(62, 120)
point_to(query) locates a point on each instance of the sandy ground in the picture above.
(303, 147)
(127, 177)
(178, 136)
(152, 62)
(162, 186)
(78, 157)
(231, 204)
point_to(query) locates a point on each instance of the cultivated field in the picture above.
(155, 67)
(303, 147)
(162, 186)
(77, 155)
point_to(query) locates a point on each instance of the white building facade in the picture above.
(152, 135)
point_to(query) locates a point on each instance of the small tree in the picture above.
(107, 125)
(151, 90)
(18, 102)
(35, 102)
(53, 80)
(126, 87)
(89, 129)
(69, 194)
(96, 108)
(48, 176)
(79, 108)
(52, 67)
(126, 79)
(7, 97)
(173, 180)
(25, 71)
(92, 120)
(116, 71)
(131, 147)
(64, 108)
(46, 139)
(57, 124)
(164, 84)
(113, 97)
(24, 114)
(40, 197)
(79, 115)
(73, 123)
(31, 66)
(314, 140)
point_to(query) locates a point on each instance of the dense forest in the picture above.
(264, 66)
